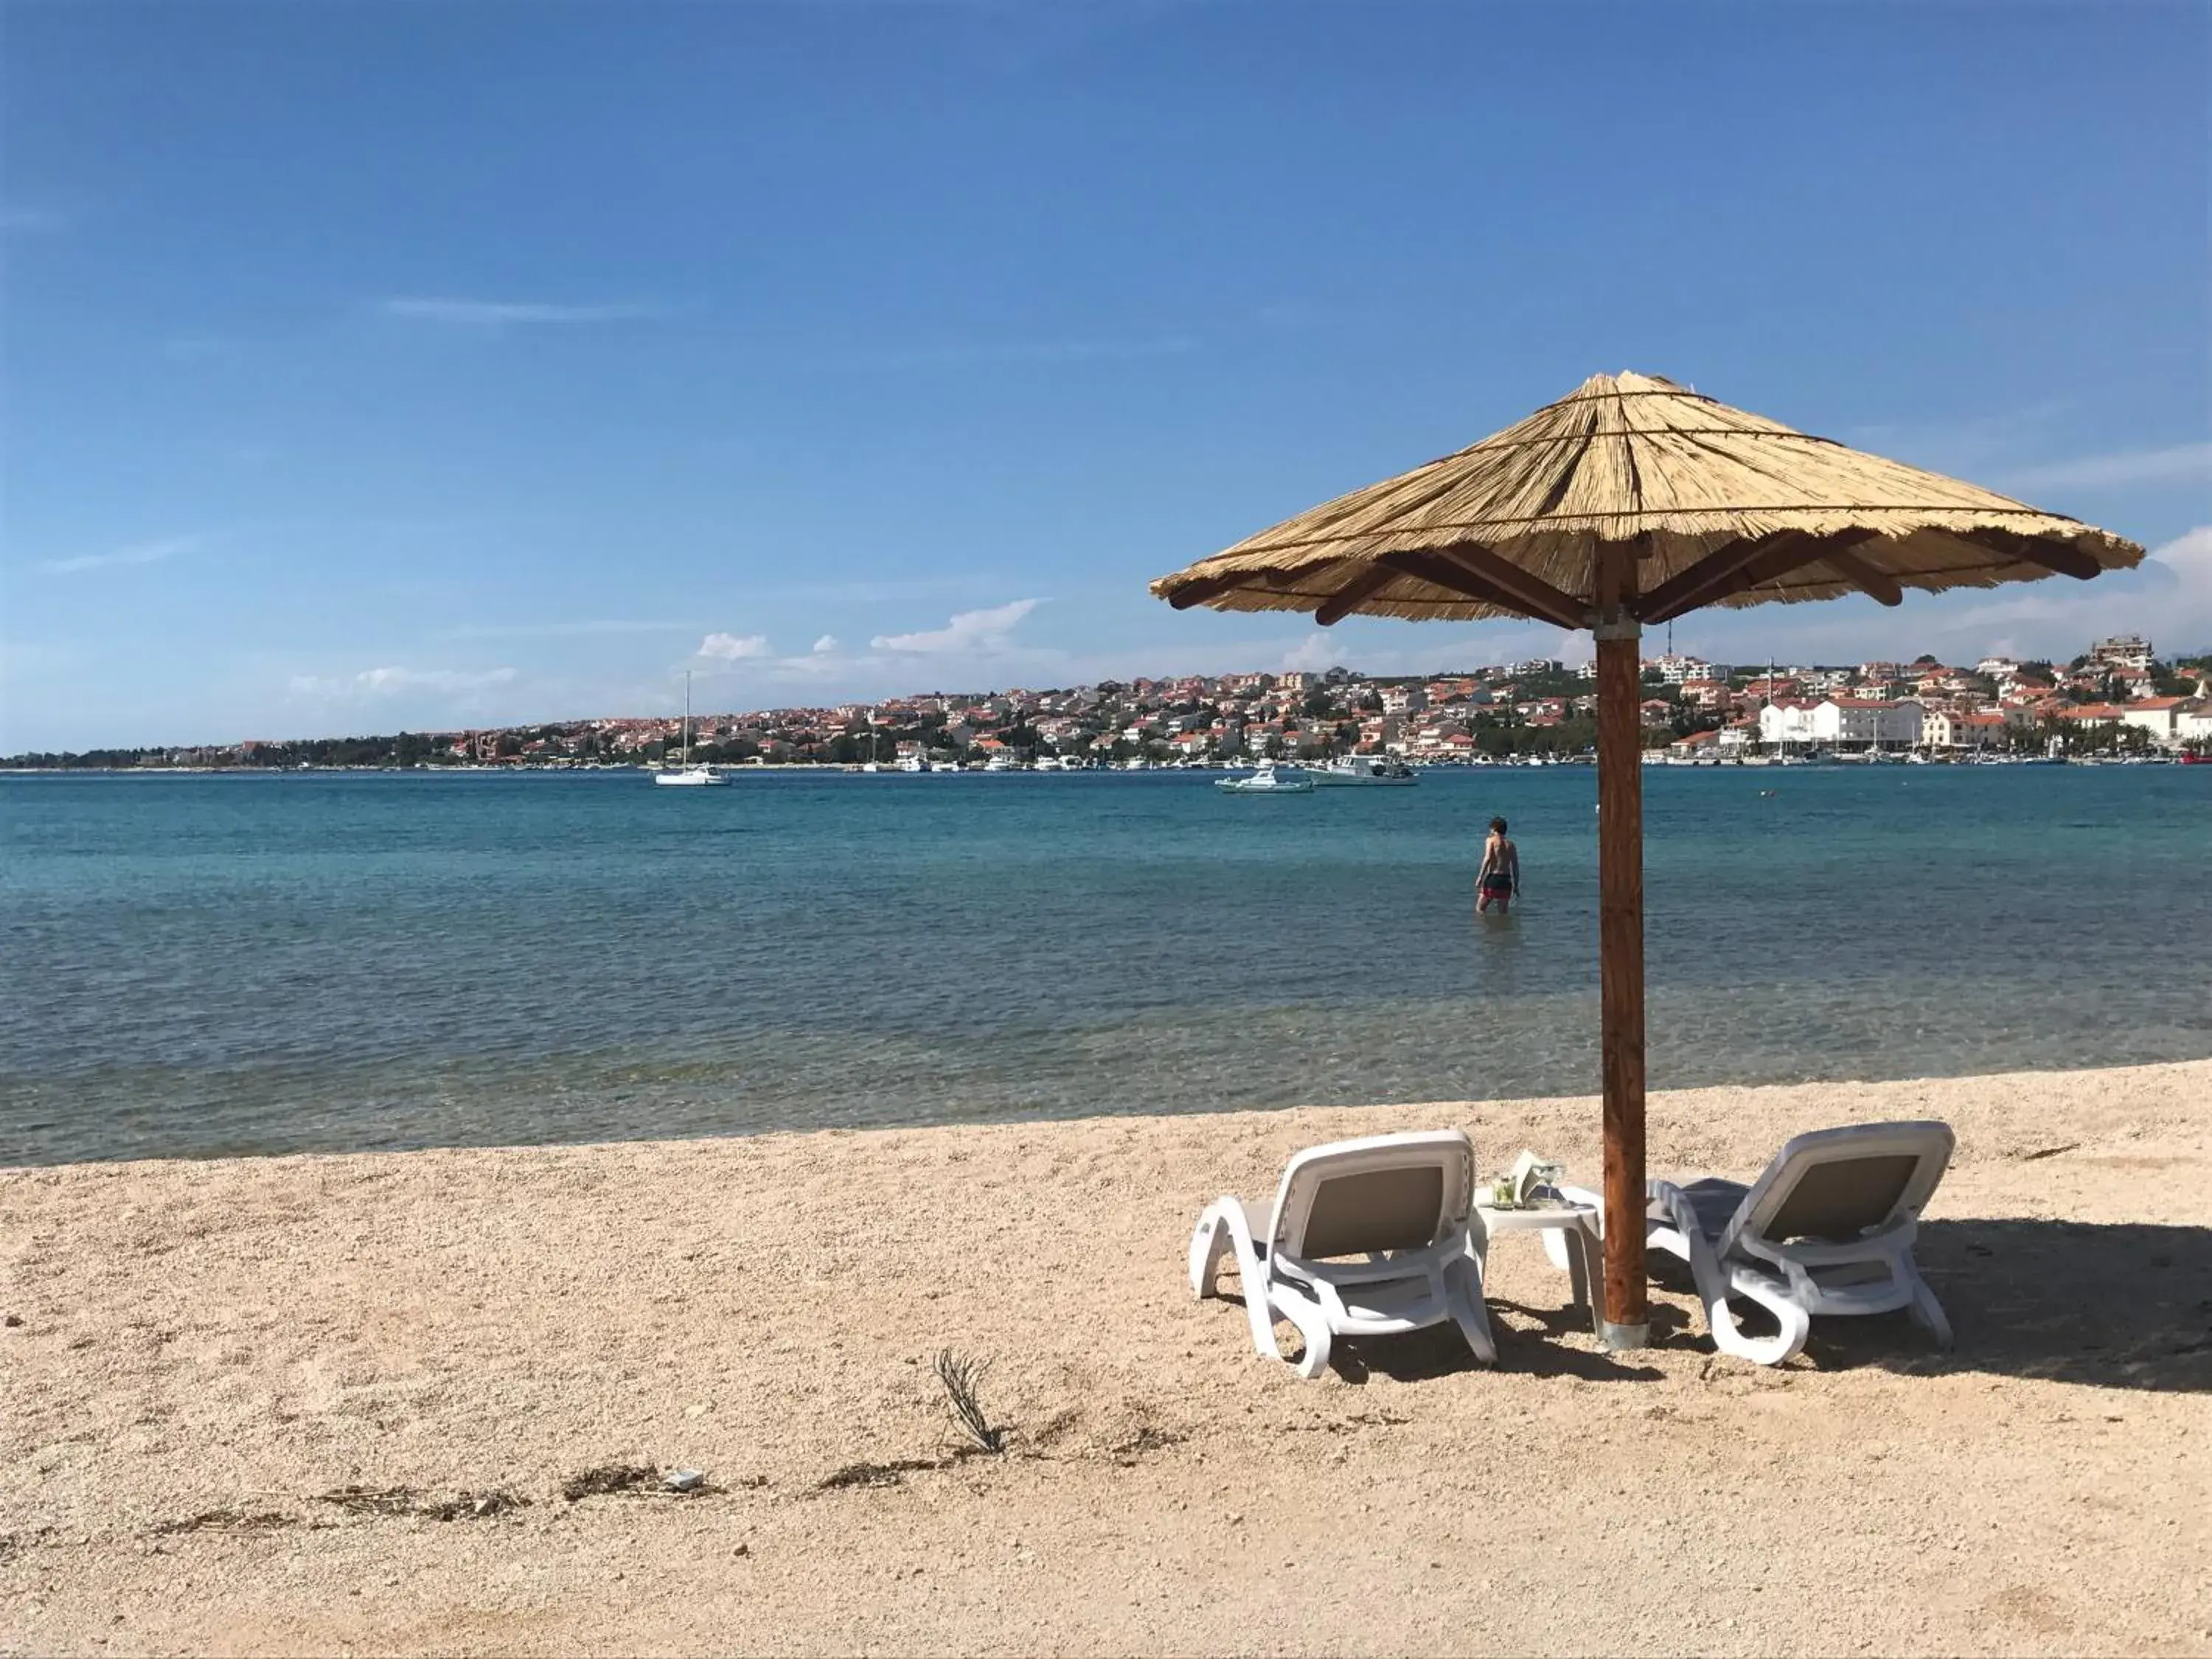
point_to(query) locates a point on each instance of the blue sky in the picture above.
(397, 365)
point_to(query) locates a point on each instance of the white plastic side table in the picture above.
(1577, 1226)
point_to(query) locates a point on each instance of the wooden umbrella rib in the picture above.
(1349, 598)
(1877, 584)
(1533, 593)
(1781, 555)
(1438, 572)
(1687, 589)
(1203, 588)
(2029, 549)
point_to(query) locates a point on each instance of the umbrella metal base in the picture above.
(1614, 1339)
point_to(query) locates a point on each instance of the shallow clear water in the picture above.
(197, 966)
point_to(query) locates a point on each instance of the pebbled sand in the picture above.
(225, 1340)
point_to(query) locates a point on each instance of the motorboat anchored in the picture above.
(1269, 779)
(1361, 770)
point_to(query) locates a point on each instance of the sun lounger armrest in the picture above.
(1406, 1264)
(1889, 1241)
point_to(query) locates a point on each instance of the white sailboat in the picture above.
(688, 776)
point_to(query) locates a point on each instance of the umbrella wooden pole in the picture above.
(1627, 1323)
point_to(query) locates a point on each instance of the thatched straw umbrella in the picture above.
(1629, 502)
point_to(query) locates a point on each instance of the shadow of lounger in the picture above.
(2113, 1305)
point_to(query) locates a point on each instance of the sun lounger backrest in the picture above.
(1374, 1210)
(1840, 1200)
(1837, 1185)
(1403, 1192)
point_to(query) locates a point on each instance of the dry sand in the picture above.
(204, 1348)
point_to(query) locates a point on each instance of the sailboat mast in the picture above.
(687, 720)
(1780, 744)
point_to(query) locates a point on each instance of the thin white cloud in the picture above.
(557, 631)
(827, 642)
(138, 553)
(1960, 444)
(22, 221)
(731, 647)
(2177, 464)
(1317, 653)
(969, 630)
(813, 666)
(499, 313)
(2188, 559)
(959, 353)
(389, 682)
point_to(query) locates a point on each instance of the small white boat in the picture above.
(1359, 771)
(688, 776)
(1269, 779)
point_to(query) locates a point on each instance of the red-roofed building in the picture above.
(1946, 728)
(2163, 718)
(1697, 745)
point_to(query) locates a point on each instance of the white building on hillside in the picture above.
(1952, 728)
(2167, 719)
(2122, 651)
(1674, 671)
(1842, 723)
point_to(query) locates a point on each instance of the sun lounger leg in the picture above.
(1683, 1236)
(1209, 1242)
(1463, 1295)
(1223, 1230)
(1926, 1311)
(1795, 1323)
(1312, 1323)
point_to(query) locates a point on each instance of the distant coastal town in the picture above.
(2118, 698)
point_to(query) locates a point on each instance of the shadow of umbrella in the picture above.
(2111, 1304)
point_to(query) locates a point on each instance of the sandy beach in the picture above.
(241, 1394)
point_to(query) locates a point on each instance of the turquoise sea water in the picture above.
(197, 966)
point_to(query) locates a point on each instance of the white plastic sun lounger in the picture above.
(1366, 1238)
(1828, 1229)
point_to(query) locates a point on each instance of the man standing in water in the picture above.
(1499, 882)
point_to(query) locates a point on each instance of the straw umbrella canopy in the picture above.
(1629, 502)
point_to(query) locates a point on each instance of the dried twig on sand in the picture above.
(606, 1477)
(226, 1521)
(409, 1501)
(962, 1377)
(867, 1473)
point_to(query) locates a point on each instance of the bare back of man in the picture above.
(1497, 882)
